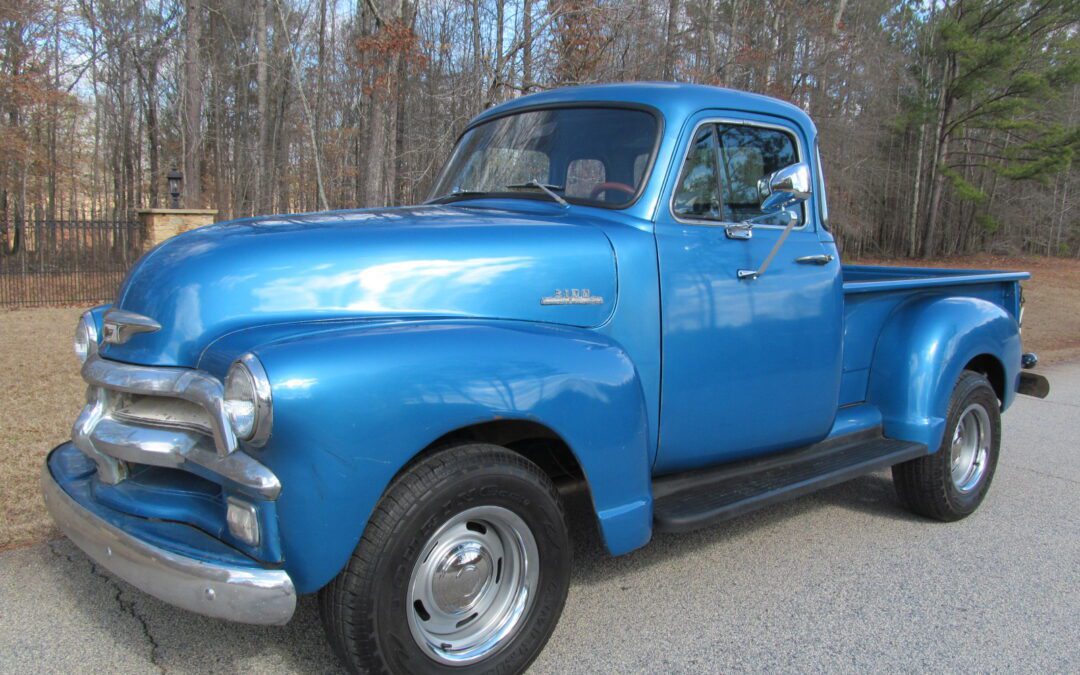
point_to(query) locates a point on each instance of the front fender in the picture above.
(921, 351)
(352, 406)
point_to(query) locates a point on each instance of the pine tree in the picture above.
(1000, 62)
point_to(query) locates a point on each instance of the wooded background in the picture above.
(947, 126)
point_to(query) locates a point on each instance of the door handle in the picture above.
(823, 259)
(739, 231)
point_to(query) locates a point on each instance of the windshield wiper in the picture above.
(457, 194)
(549, 190)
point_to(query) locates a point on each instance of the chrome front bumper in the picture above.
(244, 594)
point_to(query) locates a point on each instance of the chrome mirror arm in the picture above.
(754, 274)
(780, 191)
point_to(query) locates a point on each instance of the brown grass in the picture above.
(1052, 295)
(40, 395)
(41, 392)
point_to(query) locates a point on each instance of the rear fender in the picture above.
(921, 351)
(353, 405)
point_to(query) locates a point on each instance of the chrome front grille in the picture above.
(162, 411)
(186, 384)
(168, 417)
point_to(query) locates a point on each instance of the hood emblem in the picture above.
(572, 296)
(119, 325)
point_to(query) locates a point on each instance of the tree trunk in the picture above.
(838, 16)
(261, 202)
(380, 126)
(937, 188)
(396, 185)
(527, 47)
(54, 118)
(152, 135)
(193, 102)
(497, 76)
(941, 157)
(913, 214)
(320, 84)
(669, 39)
(478, 51)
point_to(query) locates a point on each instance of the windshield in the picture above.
(595, 156)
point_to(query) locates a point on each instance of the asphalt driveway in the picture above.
(844, 580)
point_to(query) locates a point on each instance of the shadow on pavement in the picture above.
(872, 495)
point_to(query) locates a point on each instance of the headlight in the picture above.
(86, 337)
(247, 400)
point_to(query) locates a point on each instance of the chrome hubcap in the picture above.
(472, 585)
(970, 448)
(461, 577)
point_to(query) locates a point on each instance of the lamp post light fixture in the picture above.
(176, 184)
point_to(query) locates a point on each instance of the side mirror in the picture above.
(780, 190)
(784, 188)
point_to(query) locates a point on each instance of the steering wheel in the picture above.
(611, 185)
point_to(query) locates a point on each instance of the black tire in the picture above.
(365, 608)
(926, 485)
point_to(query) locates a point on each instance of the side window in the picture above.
(582, 176)
(748, 154)
(697, 194)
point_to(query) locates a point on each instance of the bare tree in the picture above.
(937, 138)
(193, 103)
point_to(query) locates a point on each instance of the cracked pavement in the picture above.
(127, 606)
(841, 581)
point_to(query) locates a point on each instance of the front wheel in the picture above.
(463, 566)
(951, 483)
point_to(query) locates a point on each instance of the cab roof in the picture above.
(675, 101)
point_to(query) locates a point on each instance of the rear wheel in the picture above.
(952, 482)
(464, 566)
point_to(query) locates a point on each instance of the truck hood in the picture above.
(427, 261)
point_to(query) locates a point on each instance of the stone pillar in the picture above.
(160, 224)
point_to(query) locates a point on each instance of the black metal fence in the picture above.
(64, 262)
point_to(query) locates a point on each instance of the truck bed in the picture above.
(876, 278)
(872, 292)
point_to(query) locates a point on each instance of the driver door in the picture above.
(750, 366)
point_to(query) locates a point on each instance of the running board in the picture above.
(690, 500)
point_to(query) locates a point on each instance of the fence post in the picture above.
(160, 224)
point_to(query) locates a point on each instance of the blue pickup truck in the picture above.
(629, 290)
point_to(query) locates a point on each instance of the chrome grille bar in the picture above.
(191, 385)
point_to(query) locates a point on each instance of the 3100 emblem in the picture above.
(572, 296)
